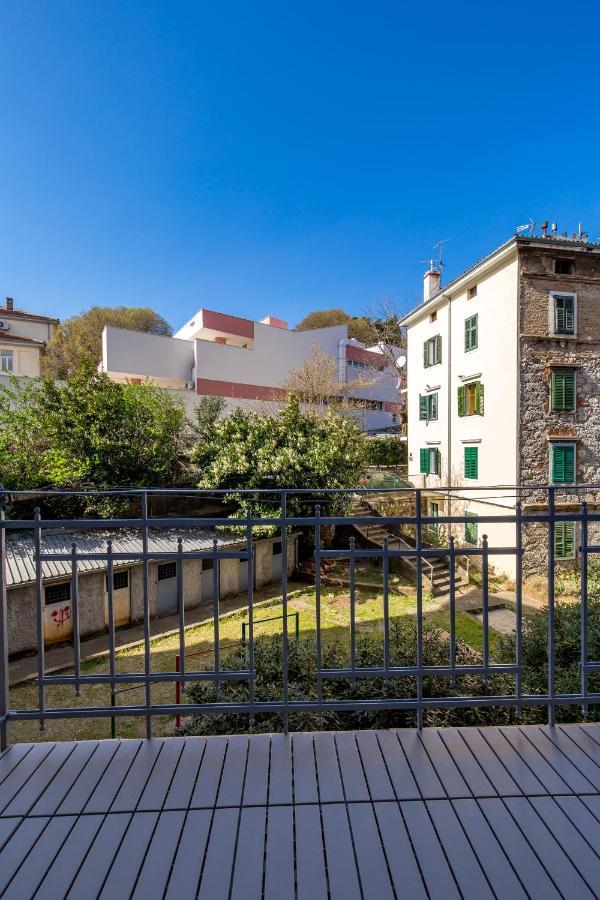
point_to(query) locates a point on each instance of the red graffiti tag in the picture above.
(61, 615)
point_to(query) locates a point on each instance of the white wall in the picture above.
(166, 360)
(26, 360)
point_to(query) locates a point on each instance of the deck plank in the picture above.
(506, 754)
(436, 872)
(378, 781)
(534, 760)
(187, 866)
(582, 817)
(32, 871)
(471, 769)
(559, 762)
(341, 865)
(216, 875)
(396, 764)
(21, 842)
(134, 783)
(372, 863)
(310, 854)
(234, 770)
(130, 855)
(12, 756)
(351, 770)
(564, 832)
(496, 772)
(184, 780)
(158, 784)
(429, 784)
(256, 785)
(99, 858)
(573, 752)
(22, 772)
(209, 777)
(279, 862)
(445, 767)
(401, 859)
(156, 868)
(64, 868)
(465, 865)
(52, 797)
(84, 785)
(280, 775)
(111, 779)
(40, 780)
(248, 871)
(328, 771)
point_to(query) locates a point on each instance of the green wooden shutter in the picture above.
(462, 400)
(424, 461)
(569, 531)
(569, 455)
(426, 354)
(564, 315)
(479, 395)
(562, 390)
(438, 348)
(471, 529)
(422, 407)
(433, 408)
(564, 539)
(471, 333)
(471, 462)
(563, 464)
(569, 389)
(559, 315)
(569, 315)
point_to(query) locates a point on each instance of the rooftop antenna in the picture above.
(439, 262)
(528, 229)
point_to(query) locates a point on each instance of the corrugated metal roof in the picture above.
(20, 548)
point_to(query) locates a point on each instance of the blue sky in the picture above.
(280, 157)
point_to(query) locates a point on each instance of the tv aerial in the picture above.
(528, 230)
(437, 262)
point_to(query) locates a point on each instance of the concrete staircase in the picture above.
(436, 571)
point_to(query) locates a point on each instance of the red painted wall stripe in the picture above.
(377, 360)
(239, 391)
(228, 324)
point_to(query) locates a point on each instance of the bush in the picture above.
(389, 451)
(369, 653)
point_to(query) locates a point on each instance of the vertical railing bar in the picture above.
(284, 601)
(4, 668)
(452, 609)
(550, 647)
(181, 611)
(584, 606)
(75, 618)
(519, 607)
(111, 631)
(419, 547)
(216, 609)
(352, 548)
(250, 549)
(319, 672)
(386, 606)
(39, 605)
(145, 585)
(485, 600)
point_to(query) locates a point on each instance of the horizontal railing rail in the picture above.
(314, 514)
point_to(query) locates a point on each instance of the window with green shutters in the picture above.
(562, 390)
(471, 332)
(564, 540)
(562, 468)
(471, 530)
(471, 462)
(564, 313)
(470, 399)
(430, 459)
(428, 407)
(432, 351)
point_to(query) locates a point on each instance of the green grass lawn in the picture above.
(335, 625)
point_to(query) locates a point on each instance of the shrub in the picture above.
(389, 451)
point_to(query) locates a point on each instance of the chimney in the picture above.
(544, 228)
(431, 283)
(10, 303)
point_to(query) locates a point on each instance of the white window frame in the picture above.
(8, 354)
(552, 316)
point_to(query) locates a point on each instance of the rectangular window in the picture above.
(471, 462)
(433, 316)
(562, 390)
(470, 399)
(471, 529)
(564, 540)
(564, 313)
(434, 511)
(428, 407)
(7, 361)
(167, 570)
(471, 333)
(432, 351)
(57, 593)
(472, 292)
(562, 469)
(120, 580)
(430, 459)
(564, 266)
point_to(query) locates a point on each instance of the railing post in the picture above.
(250, 587)
(318, 609)
(113, 719)
(519, 606)
(584, 605)
(39, 605)
(452, 607)
(147, 651)
(419, 561)
(4, 669)
(550, 645)
(177, 692)
(75, 618)
(284, 602)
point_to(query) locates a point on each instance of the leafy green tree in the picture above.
(289, 449)
(89, 431)
(78, 340)
(359, 327)
(207, 412)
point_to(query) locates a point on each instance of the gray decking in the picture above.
(442, 813)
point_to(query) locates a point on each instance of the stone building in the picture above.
(504, 390)
(128, 596)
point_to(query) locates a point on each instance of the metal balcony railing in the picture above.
(313, 513)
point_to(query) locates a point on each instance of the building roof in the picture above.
(8, 337)
(20, 549)
(22, 314)
(545, 243)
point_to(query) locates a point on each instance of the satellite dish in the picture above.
(400, 362)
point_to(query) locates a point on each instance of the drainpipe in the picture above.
(449, 437)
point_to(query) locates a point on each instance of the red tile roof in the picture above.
(21, 314)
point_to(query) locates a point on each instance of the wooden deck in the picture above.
(470, 813)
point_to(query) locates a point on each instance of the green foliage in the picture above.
(369, 653)
(289, 449)
(77, 341)
(88, 431)
(387, 451)
(207, 412)
(359, 327)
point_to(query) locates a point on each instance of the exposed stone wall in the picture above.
(541, 352)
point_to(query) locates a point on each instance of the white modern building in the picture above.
(503, 366)
(215, 354)
(23, 336)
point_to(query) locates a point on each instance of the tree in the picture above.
(289, 449)
(317, 383)
(78, 340)
(207, 412)
(89, 431)
(359, 327)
